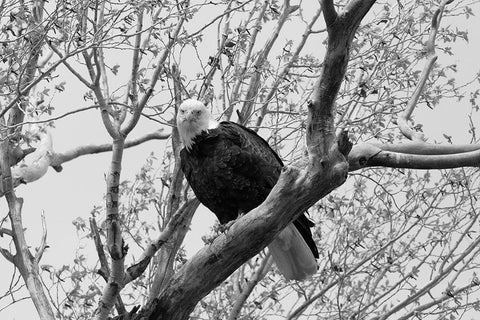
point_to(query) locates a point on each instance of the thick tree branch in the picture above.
(213, 264)
(104, 270)
(115, 243)
(320, 130)
(307, 181)
(369, 155)
(329, 13)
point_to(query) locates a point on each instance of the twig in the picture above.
(66, 114)
(227, 12)
(43, 241)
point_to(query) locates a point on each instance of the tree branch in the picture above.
(431, 56)
(23, 259)
(175, 236)
(115, 243)
(369, 155)
(249, 286)
(320, 129)
(254, 85)
(329, 13)
(242, 73)
(104, 270)
(179, 219)
(156, 75)
(43, 241)
(29, 67)
(57, 159)
(213, 264)
(288, 66)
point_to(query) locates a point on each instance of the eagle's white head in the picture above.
(193, 118)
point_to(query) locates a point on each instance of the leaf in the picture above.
(115, 69)
(61, 86)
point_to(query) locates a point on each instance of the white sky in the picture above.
(72, 193)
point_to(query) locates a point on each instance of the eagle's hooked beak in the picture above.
(191, 115)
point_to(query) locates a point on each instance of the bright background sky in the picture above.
(81, 185)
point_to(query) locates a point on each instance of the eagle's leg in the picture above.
(224, 227)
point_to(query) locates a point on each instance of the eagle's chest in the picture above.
(212, 167)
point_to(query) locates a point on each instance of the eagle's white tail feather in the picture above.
(292, 255)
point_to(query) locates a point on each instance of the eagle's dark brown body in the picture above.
(232, 170)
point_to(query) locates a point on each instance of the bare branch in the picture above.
(43, 241)
(57, 159)
(132, 85)
(250, 284)
(414, 297)
(216, 59)
(63, 60)
(368, 155)
(156, 75)
(175, 230)
(6, 231)
(227, 12)
(242, 72)
(181, 217)
(298, 311)
(431, 56)
(254, 85)
(288, 66)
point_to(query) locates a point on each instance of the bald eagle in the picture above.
(231, 170)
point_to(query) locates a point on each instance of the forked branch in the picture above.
(416, 154)
(307, 181)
